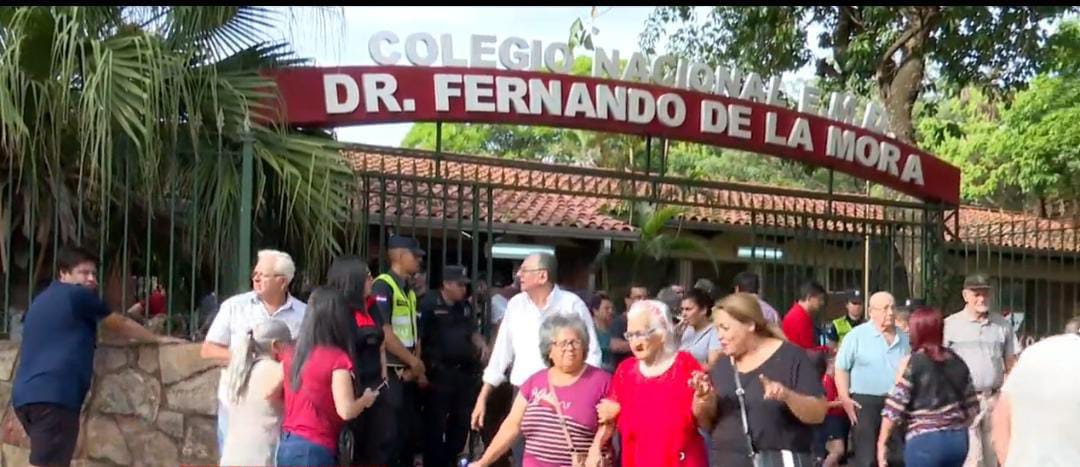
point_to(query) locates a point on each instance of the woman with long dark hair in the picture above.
(362, 436)
(696, 333)
(319, 394)
(934, 395)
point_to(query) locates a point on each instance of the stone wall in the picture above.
(150, 405)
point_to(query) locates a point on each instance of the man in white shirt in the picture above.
(268, 299)
(518, 340)
(1035, 422)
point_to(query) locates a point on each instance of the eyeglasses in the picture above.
(636, 335)
(531, 270)
(575, 344)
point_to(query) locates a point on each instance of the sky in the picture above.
(341, 39)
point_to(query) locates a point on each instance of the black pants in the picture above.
(448, 404)
(865, 434)
(372, 440)
(499, 403)
(53, 431)
(401, 396)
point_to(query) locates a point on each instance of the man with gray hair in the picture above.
(517, 345)
(268, 299)
(986, 342)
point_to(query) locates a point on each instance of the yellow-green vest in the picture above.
(403, 312)
(843, 326)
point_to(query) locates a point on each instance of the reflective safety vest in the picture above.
(843, 326)
(403, 312)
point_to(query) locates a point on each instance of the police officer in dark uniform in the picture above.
(453, 350)
(396, 303)
(854, 315)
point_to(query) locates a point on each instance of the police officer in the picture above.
(395, 301)
(853, 316)
(453, 349)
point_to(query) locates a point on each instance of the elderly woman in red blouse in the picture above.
(652, 396)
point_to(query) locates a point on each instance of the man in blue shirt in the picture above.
(866, 368)
(56, 358)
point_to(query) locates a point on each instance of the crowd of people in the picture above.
(376, 371)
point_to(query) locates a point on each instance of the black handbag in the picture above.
(770, 457)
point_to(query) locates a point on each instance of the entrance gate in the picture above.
(459, 206)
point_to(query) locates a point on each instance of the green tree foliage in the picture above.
(1026, 151)
(103, 109)
(876, 51)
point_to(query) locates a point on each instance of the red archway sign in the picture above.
(340, 96)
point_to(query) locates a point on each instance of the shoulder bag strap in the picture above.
(740, 393)
(562, 418)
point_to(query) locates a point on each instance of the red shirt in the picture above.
(155, 304)
(310, 412)
(656, 419)
(831, 394)
(798, 327)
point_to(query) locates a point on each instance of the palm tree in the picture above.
(643, 260)
(121, 124)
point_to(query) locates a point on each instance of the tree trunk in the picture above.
(900, 83)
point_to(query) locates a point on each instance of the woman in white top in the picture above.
(254, 380)
(696, 333)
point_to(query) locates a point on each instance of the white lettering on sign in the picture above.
(913, 170)
(700, 79)
(550, 96)
(611, 103)
(517, 59)
(412, 49)
(483, 47)
(890, 156)
(376, 51)
(604, 67)
(840, 144)
(479, 87)
(510, 91)
(640, 106)
(800, 135)
(713, 117)
(866, 151)
(671, 110)
(770, 131)
(579, 102)
(444, 91)
(379, 88)
(739, 121)
(515, 53)
(331, 83)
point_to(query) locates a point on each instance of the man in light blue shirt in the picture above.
(866, 368)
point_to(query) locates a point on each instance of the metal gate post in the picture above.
(247, 175)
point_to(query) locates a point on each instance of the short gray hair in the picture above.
(283, 263)
(547, 262)
(659, 319)
(556, 322)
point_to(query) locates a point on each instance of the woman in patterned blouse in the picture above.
(933, 395)
(555, 409)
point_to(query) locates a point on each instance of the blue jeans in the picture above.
(946, 448)
(294, 450)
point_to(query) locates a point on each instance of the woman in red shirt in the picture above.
(318, 384)
(652, 395)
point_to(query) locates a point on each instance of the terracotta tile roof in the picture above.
(588, 198)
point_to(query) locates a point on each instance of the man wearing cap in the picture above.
(839, 327)
(453, 350)
(986, 342)
(395, 302)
